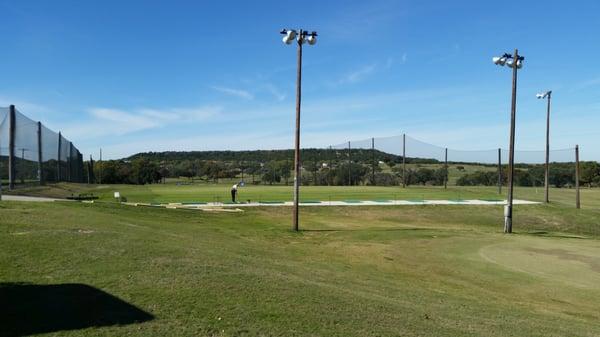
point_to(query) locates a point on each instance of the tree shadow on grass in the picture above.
(27, 309)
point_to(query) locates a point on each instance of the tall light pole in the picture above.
(301, 37)
(515, 62)
(548, 95)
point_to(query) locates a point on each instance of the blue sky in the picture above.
(131, 76)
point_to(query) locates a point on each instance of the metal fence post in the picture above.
(11, 148)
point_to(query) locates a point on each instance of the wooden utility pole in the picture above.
(297, 175)
(547, 168)
(511, 153)
(577, 196)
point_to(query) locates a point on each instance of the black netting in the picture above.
(26, 150)
(4, 127)
(464, 167)
(36, 153)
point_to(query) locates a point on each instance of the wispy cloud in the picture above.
(273, 90)
(234, 92)
(586, 84)
(359, 74)
(117, 122)
(24, 105)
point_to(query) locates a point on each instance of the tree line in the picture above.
(334, 167)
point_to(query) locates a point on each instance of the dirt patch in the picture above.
(592, 262)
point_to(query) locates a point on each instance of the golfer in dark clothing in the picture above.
(234, 192)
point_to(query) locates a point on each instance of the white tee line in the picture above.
(344, 203)
(29, 199)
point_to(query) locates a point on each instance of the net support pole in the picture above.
(577, 196)
(58, 161)
(40, 159)
(101, 164)
(499, 171)
(69, 162)
(446, 168)
(329, 179)
(80, 176)
(404, 160)
(11, 148)
(90, 167)
(373, 153)
(349, 165)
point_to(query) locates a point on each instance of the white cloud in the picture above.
(234, 92)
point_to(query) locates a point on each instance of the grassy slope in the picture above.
(410, 271)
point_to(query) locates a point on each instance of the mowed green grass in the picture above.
(201, 192)
(352, 271)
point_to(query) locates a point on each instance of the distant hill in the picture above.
(319, 155)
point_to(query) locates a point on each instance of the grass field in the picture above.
(358, 271)
(202, 192)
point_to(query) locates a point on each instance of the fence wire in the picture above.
(31, 153)
(462, 167)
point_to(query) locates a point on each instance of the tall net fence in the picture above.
(404, 160)
(31, 153)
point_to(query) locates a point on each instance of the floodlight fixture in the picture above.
(509, 61)
(544, 94)
(290, 35)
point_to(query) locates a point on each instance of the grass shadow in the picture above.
(27, 309)
(367, 229)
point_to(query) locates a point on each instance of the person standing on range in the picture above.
(234, 189)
